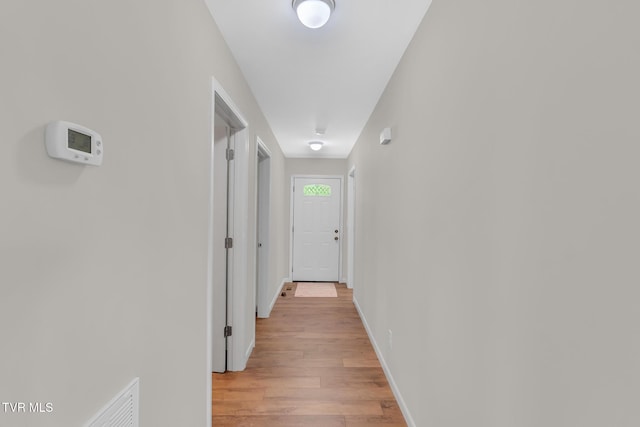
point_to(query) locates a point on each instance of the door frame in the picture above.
(263, 216)
(351, 226)
(223, 104)
(221, 257)
(291, 202)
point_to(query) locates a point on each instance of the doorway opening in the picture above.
(263, 247)
(222, 256)
(228, 333)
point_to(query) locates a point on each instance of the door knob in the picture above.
(335, 238)
(336, 231)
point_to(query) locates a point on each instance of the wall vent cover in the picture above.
(122, 411)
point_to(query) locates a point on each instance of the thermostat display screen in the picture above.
(73, 143)
(79, 141)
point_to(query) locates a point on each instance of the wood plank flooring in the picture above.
(313, 365)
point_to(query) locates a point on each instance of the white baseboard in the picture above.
(275, 297)
(247, 353)
(385, 368)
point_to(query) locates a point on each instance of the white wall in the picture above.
(103, 270)
(279, 228)
(497, 235)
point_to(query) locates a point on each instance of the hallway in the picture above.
(313, 365)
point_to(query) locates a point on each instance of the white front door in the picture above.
(316, 229)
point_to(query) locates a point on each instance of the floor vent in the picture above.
(122, 411)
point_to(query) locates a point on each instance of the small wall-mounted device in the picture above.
(385, 136)
(73, 143)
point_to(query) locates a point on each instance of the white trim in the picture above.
(209, 284)
(263, 147)
(291, 195)
(273, 300)
(228, 109)
(351, 224)
(387, 372)
(240, 123)
(241, 283)
(262, 287)
(275, 296)
(252, 345)
(231, 254)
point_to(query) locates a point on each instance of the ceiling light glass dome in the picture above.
(316, 145)
(313, 13)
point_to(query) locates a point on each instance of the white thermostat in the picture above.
(74, 143)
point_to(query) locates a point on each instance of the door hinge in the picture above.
(230, 154)
(228, 242)
(228, 331)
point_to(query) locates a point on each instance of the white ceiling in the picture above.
(329, 78)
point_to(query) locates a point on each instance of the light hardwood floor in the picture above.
(313, 365)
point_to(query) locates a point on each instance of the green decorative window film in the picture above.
(320, 190)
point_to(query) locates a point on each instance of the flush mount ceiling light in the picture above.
(314, 13)
(316, 145)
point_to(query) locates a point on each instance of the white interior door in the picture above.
(263, 246)
(220, 253)
(317, 230)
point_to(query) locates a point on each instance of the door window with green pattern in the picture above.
(317, 190)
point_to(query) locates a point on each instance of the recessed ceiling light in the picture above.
(316, 145)
(313, 13)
